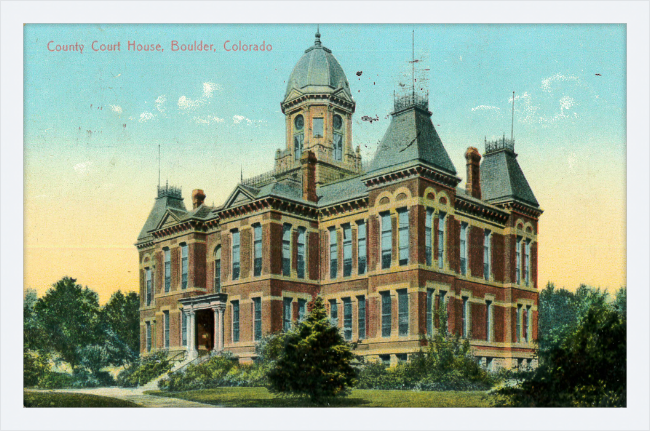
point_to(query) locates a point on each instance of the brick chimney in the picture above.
(308, 167)
(197, 198)
(473, 180)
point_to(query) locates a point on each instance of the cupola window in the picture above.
(338, 138)
(298, 136)
(318, 127)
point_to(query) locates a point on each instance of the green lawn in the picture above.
(261, 397)
(52, 399)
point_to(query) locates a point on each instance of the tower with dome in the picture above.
(391, 245)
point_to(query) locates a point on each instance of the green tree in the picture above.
(34, 339)
(315, 360)
(120, 326)
(69, 315)
(586, 368)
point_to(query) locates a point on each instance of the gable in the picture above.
(168, 219)
(239, 196)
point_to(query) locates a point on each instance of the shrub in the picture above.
(445, 365)
(54, 380)
(144, 370)
(220, 370)
(35, 367)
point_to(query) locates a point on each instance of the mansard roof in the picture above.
(341, 191)
(502, 179)
(411, 138)
(168, 199)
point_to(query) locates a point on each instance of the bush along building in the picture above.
(389, 245)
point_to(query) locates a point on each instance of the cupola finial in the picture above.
(317, 41)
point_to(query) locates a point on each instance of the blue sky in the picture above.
(93, 121)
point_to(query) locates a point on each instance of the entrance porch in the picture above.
(205, 323)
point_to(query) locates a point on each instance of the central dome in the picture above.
(318, 71)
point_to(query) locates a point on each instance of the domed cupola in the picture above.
(317, 72)
(318, 108)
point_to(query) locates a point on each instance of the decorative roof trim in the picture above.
(312, 96)
(412, 171)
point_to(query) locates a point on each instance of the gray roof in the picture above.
(318, 71)
(502, 179)
(411, 137)
(341, 191)
(158, 211)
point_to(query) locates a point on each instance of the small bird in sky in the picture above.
(598, 74)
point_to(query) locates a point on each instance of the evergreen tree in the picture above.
(315, 361)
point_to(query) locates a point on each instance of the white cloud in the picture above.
(187, 103)
(239, 118)
(558, 77)
(208, 119)
(486, 108)
(116, 108)
(209, 88)
(146, 116)
(566, 102)
(160, 103)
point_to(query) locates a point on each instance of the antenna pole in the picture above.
(413, 64)
(512, 125)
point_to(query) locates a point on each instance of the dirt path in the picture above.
(135, 395)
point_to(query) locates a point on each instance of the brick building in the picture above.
(388, 245)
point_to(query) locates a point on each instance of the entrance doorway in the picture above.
(205, 331)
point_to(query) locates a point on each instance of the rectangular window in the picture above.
(297, 144)
(302, 309)
(361, 323)
(217, 275)
(465, 317)
(334, 313)
(148, 336)
(441, 239)
(527, 263)
(489, 364)
(166, 323)
(347, 250)
(488, 320)
(428, 237)
(286, 250)
(361, 248)
(235, 321)
(403, 236)
(168, 269)
(463, 248)
(286, 314)
(386, 240)
(518, 261)
(529, 323)
(302, 233)
(257, 250)
(183, 329)
(338, 147)
(333, 253)
(401, 357)
(235, 255)
(184, 266)
(429, 312)
(385, 314)
(148, 278)
(487, 254)
(347, 318)
(385, 359)
(318, 127)
(518, 325)
(403, 310)
(257, 319)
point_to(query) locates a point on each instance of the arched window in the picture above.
(338, 137)
(298, 136)
(217, 269)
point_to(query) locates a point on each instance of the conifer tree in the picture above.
(315, 361)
